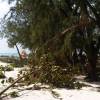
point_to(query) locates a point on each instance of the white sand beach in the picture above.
(90, 92)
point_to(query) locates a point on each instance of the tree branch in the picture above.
(94, 11)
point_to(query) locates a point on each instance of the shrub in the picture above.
(9, 68)
(14, 94)
(1, 68)
(2, 81)
(10, 79)
(16, 64)
(2, 74)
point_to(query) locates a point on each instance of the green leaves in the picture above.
(39, 23)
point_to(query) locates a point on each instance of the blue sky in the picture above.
(4, 8)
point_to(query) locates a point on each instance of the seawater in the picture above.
(9, 54)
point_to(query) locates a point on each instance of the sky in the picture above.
(4, 8)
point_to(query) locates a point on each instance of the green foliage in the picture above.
(30, 79)
(3, 81)
(14, 94)
(15, 64)
(2, 68)
(2, 74)
(38, 25)
(33, 23)
(56, 75)
(9, 68)
(11, 80)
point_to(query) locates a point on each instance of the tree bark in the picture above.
(18, 52)
(92, 60)
(92, 69)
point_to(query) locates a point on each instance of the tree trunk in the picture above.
(92, 60)
(18, 52)
(92, 69)
(21, 63)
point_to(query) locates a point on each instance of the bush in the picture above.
(9, 68)
(3, 81)
(14, 94)
(16, 64)
(2, 68)
(11, 79)
(2, 74)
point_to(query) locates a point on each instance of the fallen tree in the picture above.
(17, 80)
